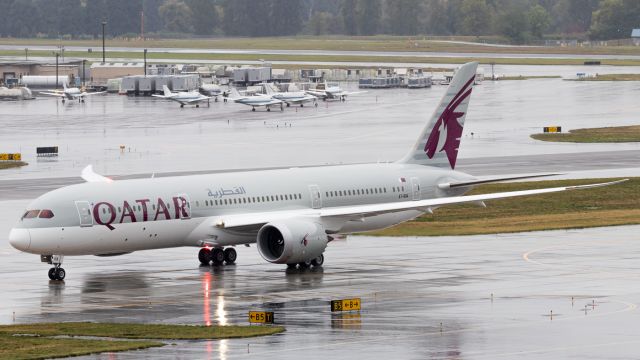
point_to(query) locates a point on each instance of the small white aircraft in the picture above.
(70, 93)
(326, 91)
(255, 100)
(290, 214)
(211, 90)
(291, 97)
(184, 98)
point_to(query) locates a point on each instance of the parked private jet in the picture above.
(255, 100)
(326, 91)
(184, 98)
(290, 214)
(291, 97)
(70, 93)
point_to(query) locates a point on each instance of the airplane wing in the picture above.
(84, 93)
(360, 211)
(491, 180)
(50, 93)
(320, 94)
(192, 101)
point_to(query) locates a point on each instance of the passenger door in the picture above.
(415, 188)
(316, 201)
(84, 212)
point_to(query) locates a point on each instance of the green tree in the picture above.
(476, 17)
(349, 19)
(403, 16)
(368, 16)
(286, 17)
(176, 16)
(615, 19)
(19, 21)
(204, 15)
(539, 20)
(513, 24)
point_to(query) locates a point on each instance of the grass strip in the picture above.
(335, 43)
(614, 134)
(111, 55)
(140, 331)
(38, 341)
(25, 347)
(611, 77)
(11, 164)
(605, 206)
(521, 77)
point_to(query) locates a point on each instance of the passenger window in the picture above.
(30, 214)
(46, 214)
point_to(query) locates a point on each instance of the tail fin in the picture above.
(268, 90)
(439, 141)
(167, 91)
(234, 93)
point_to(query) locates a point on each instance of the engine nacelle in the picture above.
(291, 241)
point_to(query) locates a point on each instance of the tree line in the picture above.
(518, 21)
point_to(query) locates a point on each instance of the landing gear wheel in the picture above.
(197, 105)
(253, 109)
(204, 255)
(268, 109)
(230, 255)
(304, 264)
(288, 104)
(60, 274)
(181, 106)
(318, 261)
(292, 266)
(52, 274)
(301, 105)
(217, 256)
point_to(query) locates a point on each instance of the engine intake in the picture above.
(291, 241)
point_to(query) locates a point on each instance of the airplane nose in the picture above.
(20, 239)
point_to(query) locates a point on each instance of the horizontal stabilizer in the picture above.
(452, 185)
(90, 176)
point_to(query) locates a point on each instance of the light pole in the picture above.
(104, 23)
(26, 54)
(57, 56)
(145, 62)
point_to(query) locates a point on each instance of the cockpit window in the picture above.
(46, 214)
(30, 214)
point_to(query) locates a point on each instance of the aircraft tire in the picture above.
(60, 274)
(204, 255)
(52, 274)
(268, 109)
(288, 104)
(292, 266)
(318, 261)
(230, 255)
(217, 256)
(304, 264)
(197, 105)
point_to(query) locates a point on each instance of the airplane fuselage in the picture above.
(98, 218)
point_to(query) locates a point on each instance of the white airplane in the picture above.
(255, 100)
(291, 97)
(184, 98)
(290, 214)
(328, 91)
(212, 90)
(70, 93)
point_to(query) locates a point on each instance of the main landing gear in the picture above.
(317, 262)
(56, 272)
(217, 256)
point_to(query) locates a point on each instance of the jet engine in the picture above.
(291, 241)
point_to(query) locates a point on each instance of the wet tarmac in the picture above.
(471, 297)
(159, 137)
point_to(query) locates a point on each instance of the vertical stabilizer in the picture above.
(439, 140)
(167, 91)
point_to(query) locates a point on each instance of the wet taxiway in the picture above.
(471, 297)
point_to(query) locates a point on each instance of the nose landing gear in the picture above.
(56, 272)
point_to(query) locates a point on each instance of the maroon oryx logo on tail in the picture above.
(447, 131)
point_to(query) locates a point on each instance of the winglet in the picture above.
(90, 176)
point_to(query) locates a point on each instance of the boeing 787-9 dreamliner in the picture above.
(291, 214)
